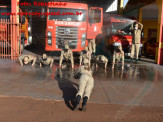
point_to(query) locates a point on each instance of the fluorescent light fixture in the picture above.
(113, 6)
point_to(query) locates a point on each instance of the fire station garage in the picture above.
(149, 13)
(146, 12)
(81, 60)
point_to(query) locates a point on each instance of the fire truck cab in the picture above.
(25, 28)
(73, 24)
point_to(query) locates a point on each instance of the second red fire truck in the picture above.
(117, 29)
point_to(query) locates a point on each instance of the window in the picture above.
(95, 16)
(71, 17)
(3, 10)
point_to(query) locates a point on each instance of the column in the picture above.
(159, 49)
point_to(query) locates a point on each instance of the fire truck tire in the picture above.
(22, 44)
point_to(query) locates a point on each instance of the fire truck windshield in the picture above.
(66, 14)
(121, 28)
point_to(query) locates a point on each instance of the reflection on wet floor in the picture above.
(130, 73)
(111, 86)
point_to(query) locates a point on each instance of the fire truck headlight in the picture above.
(30, 39)
(29, 29)
(83, 40)
(49, 41)
(116, 44)
(83, 43)
(84, 35)
(141, 45)
(49, 34)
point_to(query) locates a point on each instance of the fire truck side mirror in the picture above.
(23, 19)
(42, 11)
(90, 23)
(20, 19)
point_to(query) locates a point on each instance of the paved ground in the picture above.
(134, 94)
(13, 109)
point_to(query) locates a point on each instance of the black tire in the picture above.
(22, 44)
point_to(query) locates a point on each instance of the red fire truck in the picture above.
(25, 29)
(117, 29)
(78, 25)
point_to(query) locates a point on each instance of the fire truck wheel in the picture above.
(22, 45)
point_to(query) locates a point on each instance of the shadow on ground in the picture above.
(68, 87)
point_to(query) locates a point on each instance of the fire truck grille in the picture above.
(66, 35)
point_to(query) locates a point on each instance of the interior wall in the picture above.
(149, 24)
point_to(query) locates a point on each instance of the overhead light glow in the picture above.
(113, 6)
